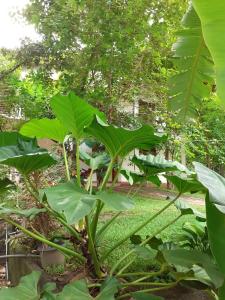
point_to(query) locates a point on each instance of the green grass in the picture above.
(124, 224)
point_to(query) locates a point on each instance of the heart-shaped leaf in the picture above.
(146, 252)
(23, 153)
(186, 209)
(134, 178)
(75, 203)
(188, 258)
(44, 128)
(78, 290)
(185, 183)
(71, 200)
(215, 210)
(74, 113)
(152, 165)
(28, 213)
(99, 161)
(116, 201)
(27, 289)
(120, 141)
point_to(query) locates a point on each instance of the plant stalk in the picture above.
(144, 243)
(78, 162)
(66, 163)
(92, 249)
(127, 295)
(95, 218)
(139, 228)
(45, 241)
(107, 174)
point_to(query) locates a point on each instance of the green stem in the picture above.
(145, 283)
(100, 205)
(66, 163)
(124, 239)
(92, 250)
(106, 225)
(143, 243)
(95, 218)
(119, 274)
(78, 162)
(117, 175)
(138, 274)
(89, 182)
(150, 275)
(107, 174)
(127, 295)
(45, 241)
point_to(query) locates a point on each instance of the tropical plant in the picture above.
(194, 75)
(194, 236)
(73, 202)
(212, 25)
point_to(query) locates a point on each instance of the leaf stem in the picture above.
(143, 243)
(139, 228)
(66, 163)
(78, 162)
(92, 249)
(107, 174)
(168, 286)
(45, 241)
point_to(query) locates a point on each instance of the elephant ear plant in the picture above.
(74, 202)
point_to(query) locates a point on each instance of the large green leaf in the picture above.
(221, 293)
(216, 229)
(146, 253)
(212, 18)
(44, 128)
(194, 78)
(152, 165)
(28, 213)
(185, 183)
(215, 210)
(96, 162)
(74, 113)
(188, 258)
(186, 209)
(71, 200)
(214, 183)
(23, 153)
(75, 203)
(78, 290)
(26, 290)
(120, 141)
(116, 201)
(134, 178)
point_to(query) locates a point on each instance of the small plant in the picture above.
(195, 236)
(55, 269)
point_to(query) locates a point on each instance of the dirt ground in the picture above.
(157, 193)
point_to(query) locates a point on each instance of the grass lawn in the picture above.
(144, 207)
